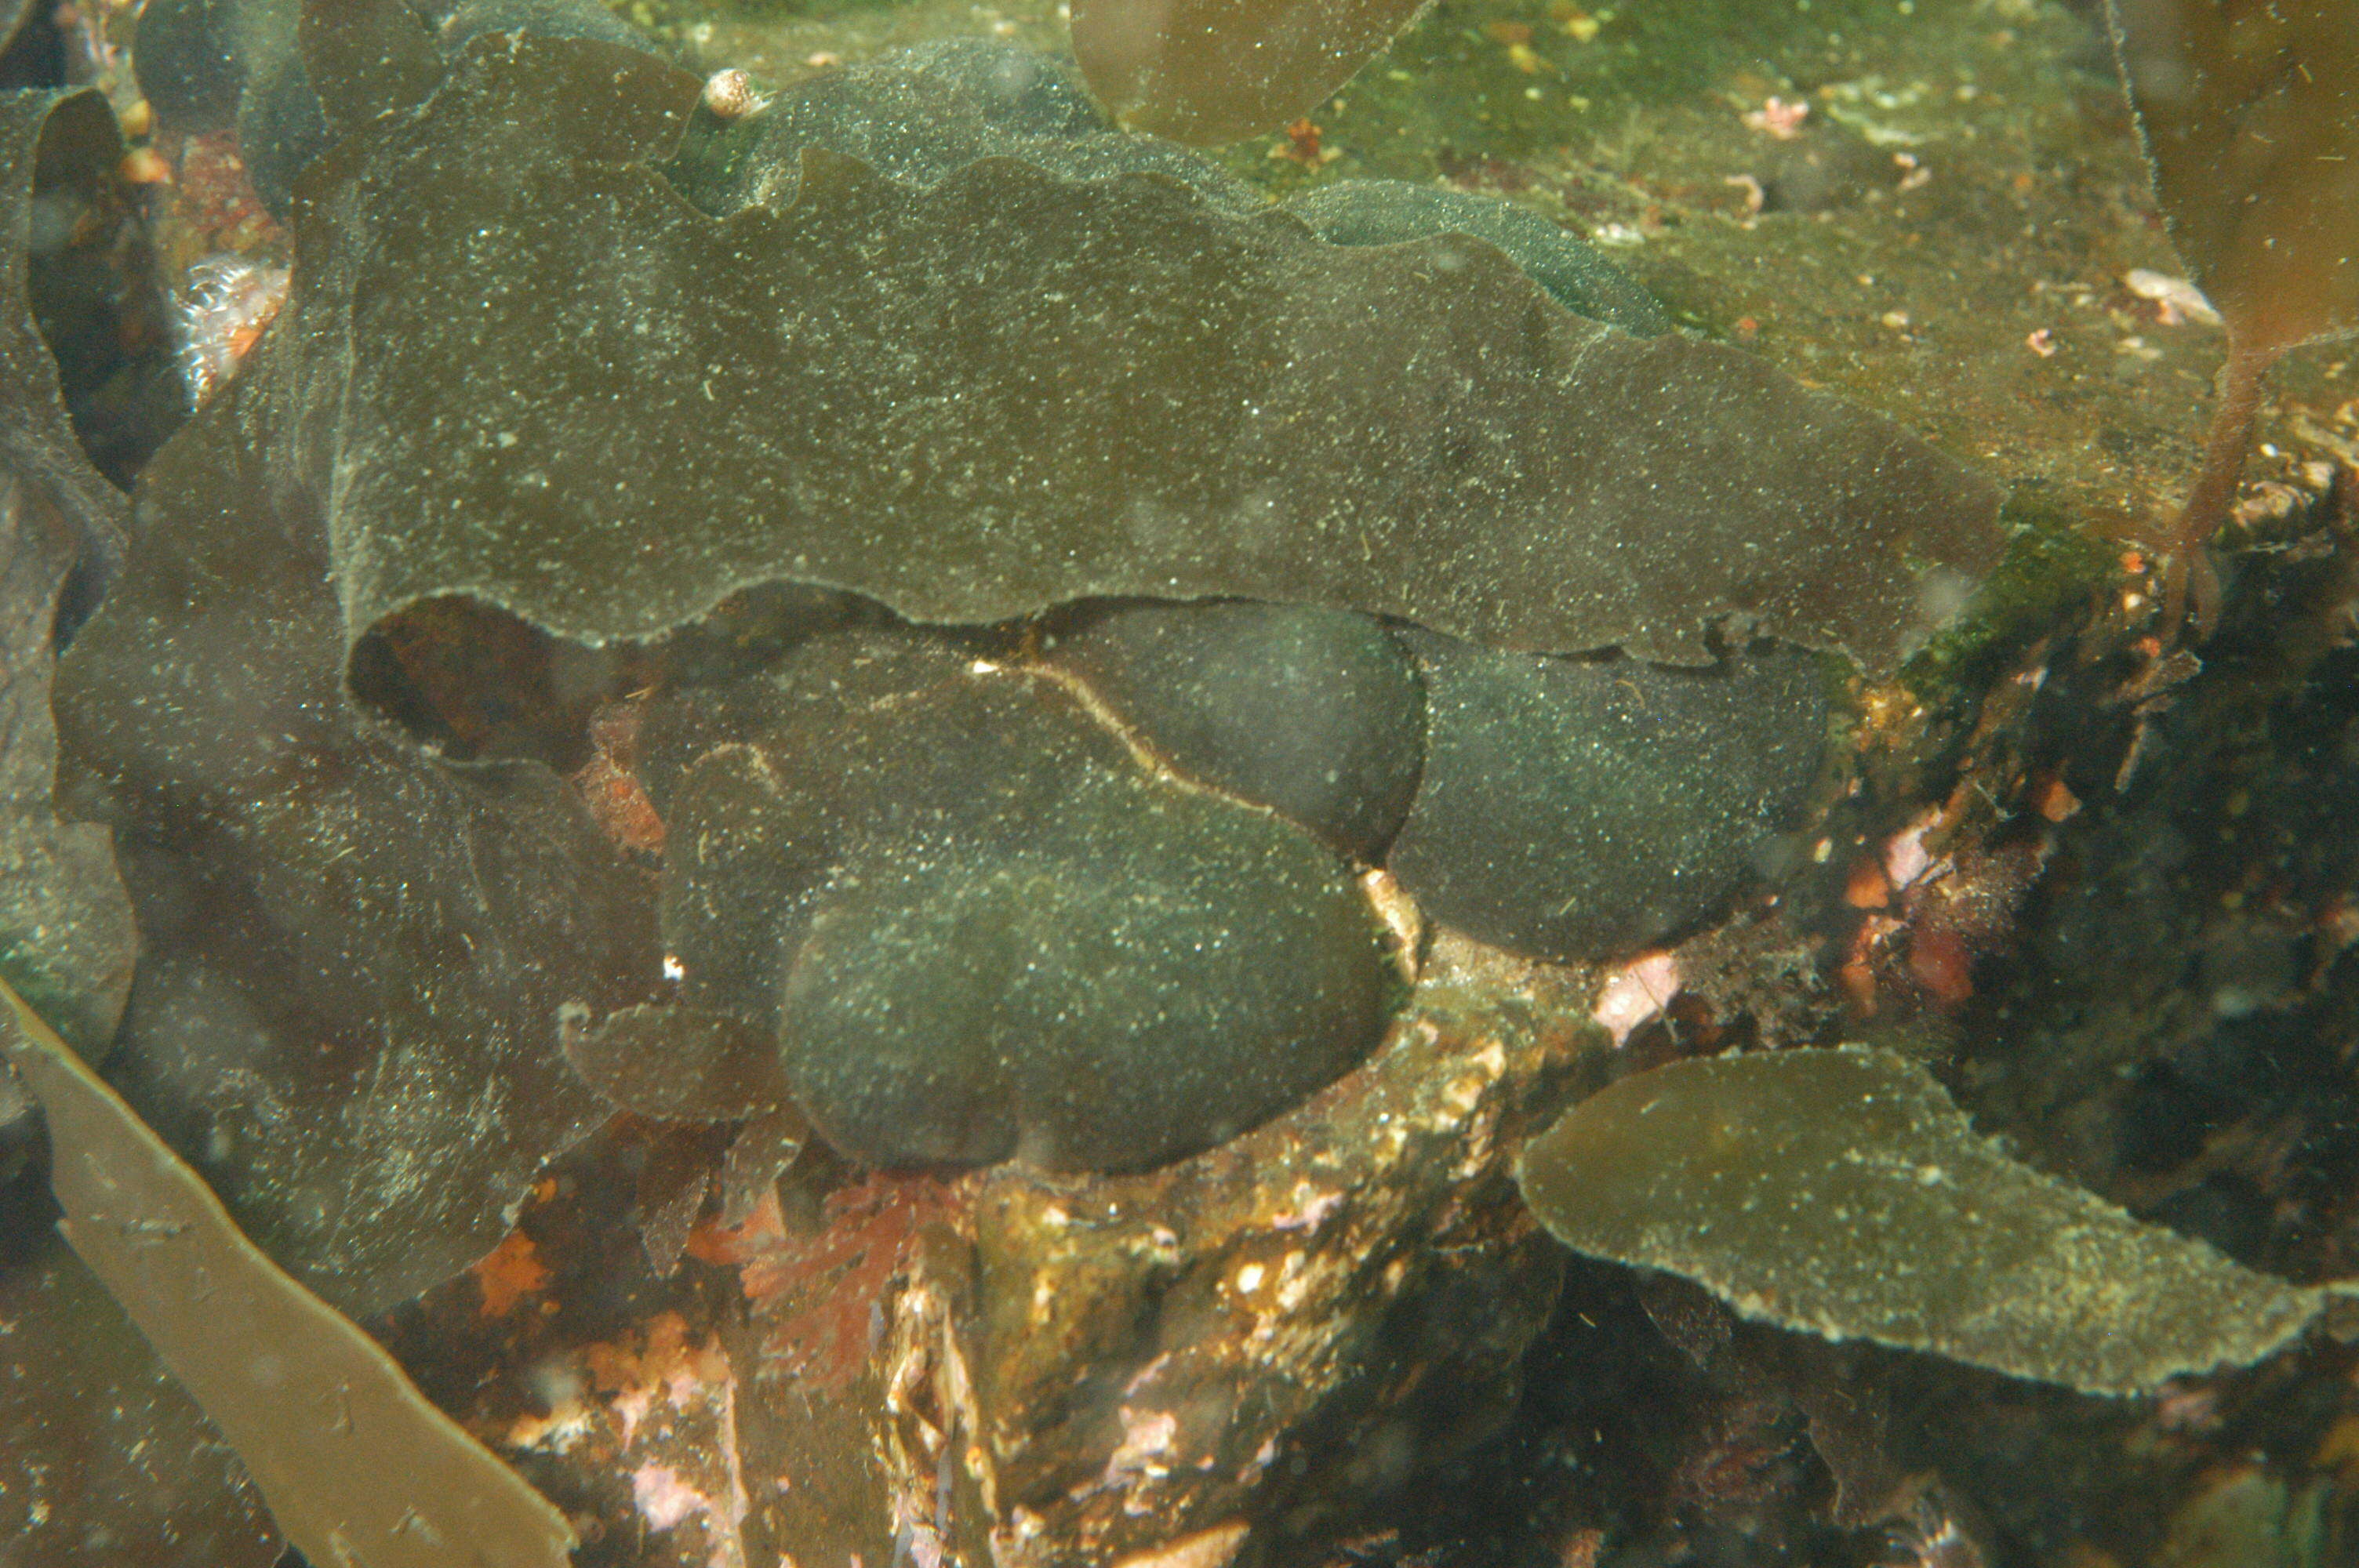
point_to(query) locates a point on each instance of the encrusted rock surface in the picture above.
(1208, 1364)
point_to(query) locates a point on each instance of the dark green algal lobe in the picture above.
(66, 937)
(353, 954)
(883, 485)
(1574, 808)
(56, 151)
(977, 925)
(1317, 714)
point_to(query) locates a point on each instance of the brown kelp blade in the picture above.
(2249, 112)
(1843, 1194)
(357, 1468)
(1207, 71)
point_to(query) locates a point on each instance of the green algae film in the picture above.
(919, 115)
(973, 400)
(1207, 71)
(1575, 272)
(1842, 1192)
(357, 1468)
(291, 86)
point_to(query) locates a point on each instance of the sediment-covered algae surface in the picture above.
(915, 535)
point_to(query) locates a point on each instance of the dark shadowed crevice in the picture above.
(92, 285)
(477, 684)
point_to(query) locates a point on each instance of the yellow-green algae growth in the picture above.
(1842, 1193)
